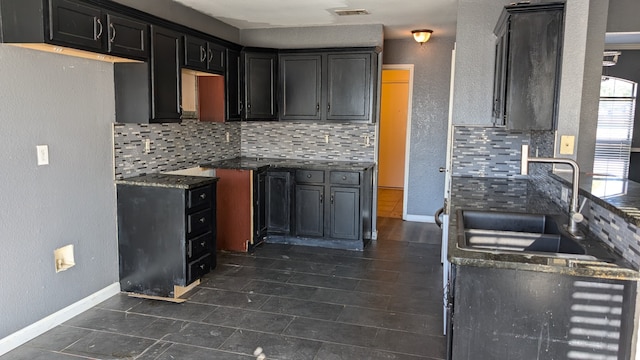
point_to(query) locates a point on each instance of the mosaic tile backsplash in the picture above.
(622, 237)
(172, 146)
(178, 146)
(308, 140)
(487, 151)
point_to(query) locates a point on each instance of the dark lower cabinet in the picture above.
(309, 210)
(505, 314)
(344, 213)
(166, 237)
(278, 197)
(259, 207)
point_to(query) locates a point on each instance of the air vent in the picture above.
(349, 12)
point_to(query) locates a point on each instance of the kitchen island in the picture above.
(509, 304)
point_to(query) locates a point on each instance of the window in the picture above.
(615, 126)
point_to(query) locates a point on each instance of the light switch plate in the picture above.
(567, 144)
(43, 154)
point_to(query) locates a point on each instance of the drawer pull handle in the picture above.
(113, 33)
(332, 198)
(203, 196)
(100, 29)
(202, 220)
(321, 198)
(203, 54)
(308, 176)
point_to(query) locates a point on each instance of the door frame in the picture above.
(407, 153)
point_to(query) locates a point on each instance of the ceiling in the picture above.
(399, 17)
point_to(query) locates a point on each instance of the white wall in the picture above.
(314, 36)
(68, 104)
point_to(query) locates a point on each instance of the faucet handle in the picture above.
(577, 217)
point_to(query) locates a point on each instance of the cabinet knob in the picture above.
(331, 198)
(317, 108)
(344, 177)
(99, 29)
(203, 196)
(202, 220)
(328, 108)
(202, 266)
(308, 176)
(203, 243)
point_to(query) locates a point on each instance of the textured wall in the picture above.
(475, 43)
(429, 116)
(306, 140)
(68, 104)
(173, 146)
(314, 37)
(181, 14)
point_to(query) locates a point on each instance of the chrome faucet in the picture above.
(575, 216)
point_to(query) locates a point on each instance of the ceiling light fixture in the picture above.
(610, 58)
(422, 36)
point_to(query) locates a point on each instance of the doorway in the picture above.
(395, 115)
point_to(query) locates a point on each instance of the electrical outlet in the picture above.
(326, 139)
(227, 136)
(63, 258)
(43, 154)
(567, 143)
(147, 146)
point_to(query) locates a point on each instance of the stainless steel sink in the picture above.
(514, 232)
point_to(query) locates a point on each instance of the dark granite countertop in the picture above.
(168, 181)
(518, 195)
(620, 196)
(249, 163)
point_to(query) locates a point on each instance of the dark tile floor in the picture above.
(286, 302)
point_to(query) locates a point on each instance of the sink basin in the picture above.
(519, 232)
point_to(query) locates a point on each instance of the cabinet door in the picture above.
(260, 86)
(278, 202)
(76, 24)
(533, 63)
(127, 37)
(310, 210)
(165, 75)
(233, 86)
(259, 207)
(348, 86)
(216, 58)
(498, 79)
(300, 86)
(195, 53)
(345, 213)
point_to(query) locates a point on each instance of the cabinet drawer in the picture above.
(199, 246)
(309, 176)
(345, 177)
(199, 222)
(196, 269)
(199, 196)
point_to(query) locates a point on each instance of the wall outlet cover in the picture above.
(43, 154)
(567, 143)
(63, 258)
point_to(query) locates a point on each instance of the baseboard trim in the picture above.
(23, 335)
(420, 218)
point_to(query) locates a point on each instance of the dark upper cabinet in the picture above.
(348, 86)
(528, 58)
(165, 75)
(233, 85)
(200, 54)
(278, 202)
(300, 87)
(74, 24)
(260, 83)
(126, 37)
(71, 22)
(328, 85)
